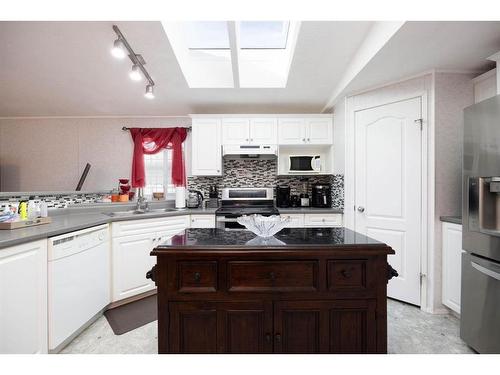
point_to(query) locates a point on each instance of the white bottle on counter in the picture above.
(32, 215)
(44, 209)
(180, 197)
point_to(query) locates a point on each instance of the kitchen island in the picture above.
(306, 290)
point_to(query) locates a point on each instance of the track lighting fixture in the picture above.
(120, 50)
(135, 73)
(149, 92)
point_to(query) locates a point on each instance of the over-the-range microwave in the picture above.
(304, 164)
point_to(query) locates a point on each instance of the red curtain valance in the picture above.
(152, 141)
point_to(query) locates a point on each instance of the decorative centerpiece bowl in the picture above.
(263, 226)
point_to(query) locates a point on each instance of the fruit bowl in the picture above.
(263, 226)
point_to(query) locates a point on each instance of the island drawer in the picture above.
(263, 276)
(197, 276)
(346, 274)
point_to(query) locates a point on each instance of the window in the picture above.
(207, 35)
(263, 34)
(158, 169)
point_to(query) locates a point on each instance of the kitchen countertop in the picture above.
(452, 219)
(73, 219)
(310, 210)
(65, 223)
(199, 239)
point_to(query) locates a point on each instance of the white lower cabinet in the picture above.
(313, 220)
(296, 220)
(23, 298)
(452, 265)
(323, 220)
(202, 221)
(132, 243)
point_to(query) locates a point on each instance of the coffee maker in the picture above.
(321, 195)
(283, 196)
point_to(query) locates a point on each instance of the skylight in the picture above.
(207, 35)
(263, 34)
(234, 54)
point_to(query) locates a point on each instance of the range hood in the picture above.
(249, 151)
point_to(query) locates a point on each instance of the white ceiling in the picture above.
(453, 46)
(66, 69)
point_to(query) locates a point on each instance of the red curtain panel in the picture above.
(151, 141)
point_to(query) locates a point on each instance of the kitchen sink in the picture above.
(135, 212)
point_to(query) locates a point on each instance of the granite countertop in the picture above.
(199, 239)
(452, 219)
(310, 210)
(73, 219)
(65, 223)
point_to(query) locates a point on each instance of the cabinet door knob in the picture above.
(308, 139)
(268, 337)
(303, 139)
(361, 209)
(346, 274)
(278, 338)
(197, 277)
(272, 276)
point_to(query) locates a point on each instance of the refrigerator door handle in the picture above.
(485, 270)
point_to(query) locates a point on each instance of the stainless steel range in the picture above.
(237, 202)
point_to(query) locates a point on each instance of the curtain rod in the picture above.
(188, 128)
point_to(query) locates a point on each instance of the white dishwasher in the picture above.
(78, 281)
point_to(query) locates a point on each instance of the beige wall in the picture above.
(51, 153)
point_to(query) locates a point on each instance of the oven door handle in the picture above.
(226, 220)
(485, 270)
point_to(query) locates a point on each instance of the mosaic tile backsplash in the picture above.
(262, 173)
(54, 200)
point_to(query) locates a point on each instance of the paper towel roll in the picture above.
(180, 197)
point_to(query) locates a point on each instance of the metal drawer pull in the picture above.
(346, 274)
(197, 277)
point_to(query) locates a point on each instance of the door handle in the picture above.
(361, 209)
(486, 271)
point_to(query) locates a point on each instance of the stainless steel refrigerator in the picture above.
(480, 299)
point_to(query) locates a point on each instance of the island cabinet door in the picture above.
(339, 326)
(220, 327)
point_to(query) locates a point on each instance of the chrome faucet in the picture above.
(142, 203)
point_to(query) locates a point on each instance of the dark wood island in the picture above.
(307, 290)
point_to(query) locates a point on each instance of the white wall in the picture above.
(51, 153)
(453, 92)
(339, 137)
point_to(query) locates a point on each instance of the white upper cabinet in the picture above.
(242, 131)
(235, 131)
(485, 86)
(299, 131)
(291, 131)
(319, 131)
(263, 131)
(206, 147)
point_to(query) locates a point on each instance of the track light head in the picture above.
(135, 73)
(149, 92)
(118, 49)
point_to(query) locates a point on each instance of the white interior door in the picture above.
(388, 196)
